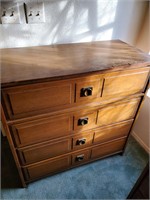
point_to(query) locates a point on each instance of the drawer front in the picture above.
(80, 157)
(83, 140)
(87, 90)
(118, 112)
(125, 83)
(37, 98)
(109, 148)
(112, 132)
(45, 151)
(84, 121)
(41, 130)
(47, 167)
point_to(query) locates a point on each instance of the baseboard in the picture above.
(138, 139)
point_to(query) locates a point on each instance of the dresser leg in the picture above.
(121, 153)
(24, 185)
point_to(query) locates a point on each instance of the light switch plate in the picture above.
(35, 12)
(10, 13)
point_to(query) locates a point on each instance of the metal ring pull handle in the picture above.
(80, 158)
(82, 122)
(85, 92)
(81, 141)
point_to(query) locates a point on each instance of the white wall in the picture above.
(141, 129)
(143, 39)
(69, 21)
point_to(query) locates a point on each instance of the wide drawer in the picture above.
(117, 112)
(36, 153)
(108, 133)
(47, 167)
(125, 83)
(41, 130)
(108, 148)
(37, 98)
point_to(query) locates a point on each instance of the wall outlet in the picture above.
(35, 12)
(10, 13)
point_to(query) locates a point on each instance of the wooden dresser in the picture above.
(68, 105)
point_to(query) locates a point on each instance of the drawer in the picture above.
(80, 157)
(85, 121)
(40, 152)
(83, 140)
(125, 83)
(88, 89)
(109, 148)
(108, 133)
(117, 112)
(47, 167)
(37, 98)
(41, 130)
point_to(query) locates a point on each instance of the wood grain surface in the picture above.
(118, 112)
(115, 131)
(40, 152)
(36, 63)
(41, 130)
(47, 167)
(108, 148)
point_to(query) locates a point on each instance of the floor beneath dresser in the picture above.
(110, 178)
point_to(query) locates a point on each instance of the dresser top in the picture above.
(66, 60)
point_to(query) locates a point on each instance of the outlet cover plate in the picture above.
(35, 12)
(10, 13)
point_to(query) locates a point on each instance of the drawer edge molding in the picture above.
(21, 136)
(47, 167)
(42, 152)
(37, 98)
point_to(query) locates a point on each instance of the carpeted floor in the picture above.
(109, 178)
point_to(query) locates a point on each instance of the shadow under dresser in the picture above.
(68, 105)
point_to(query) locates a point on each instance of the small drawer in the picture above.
(84, 121)
(41, 130)
(117, 112)
(125, 83)
(108, 133)
(80, 157)
(47, 150)
(108, 148)
(37, 98)
(47, 167)
(88, 89)
(83, 140)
